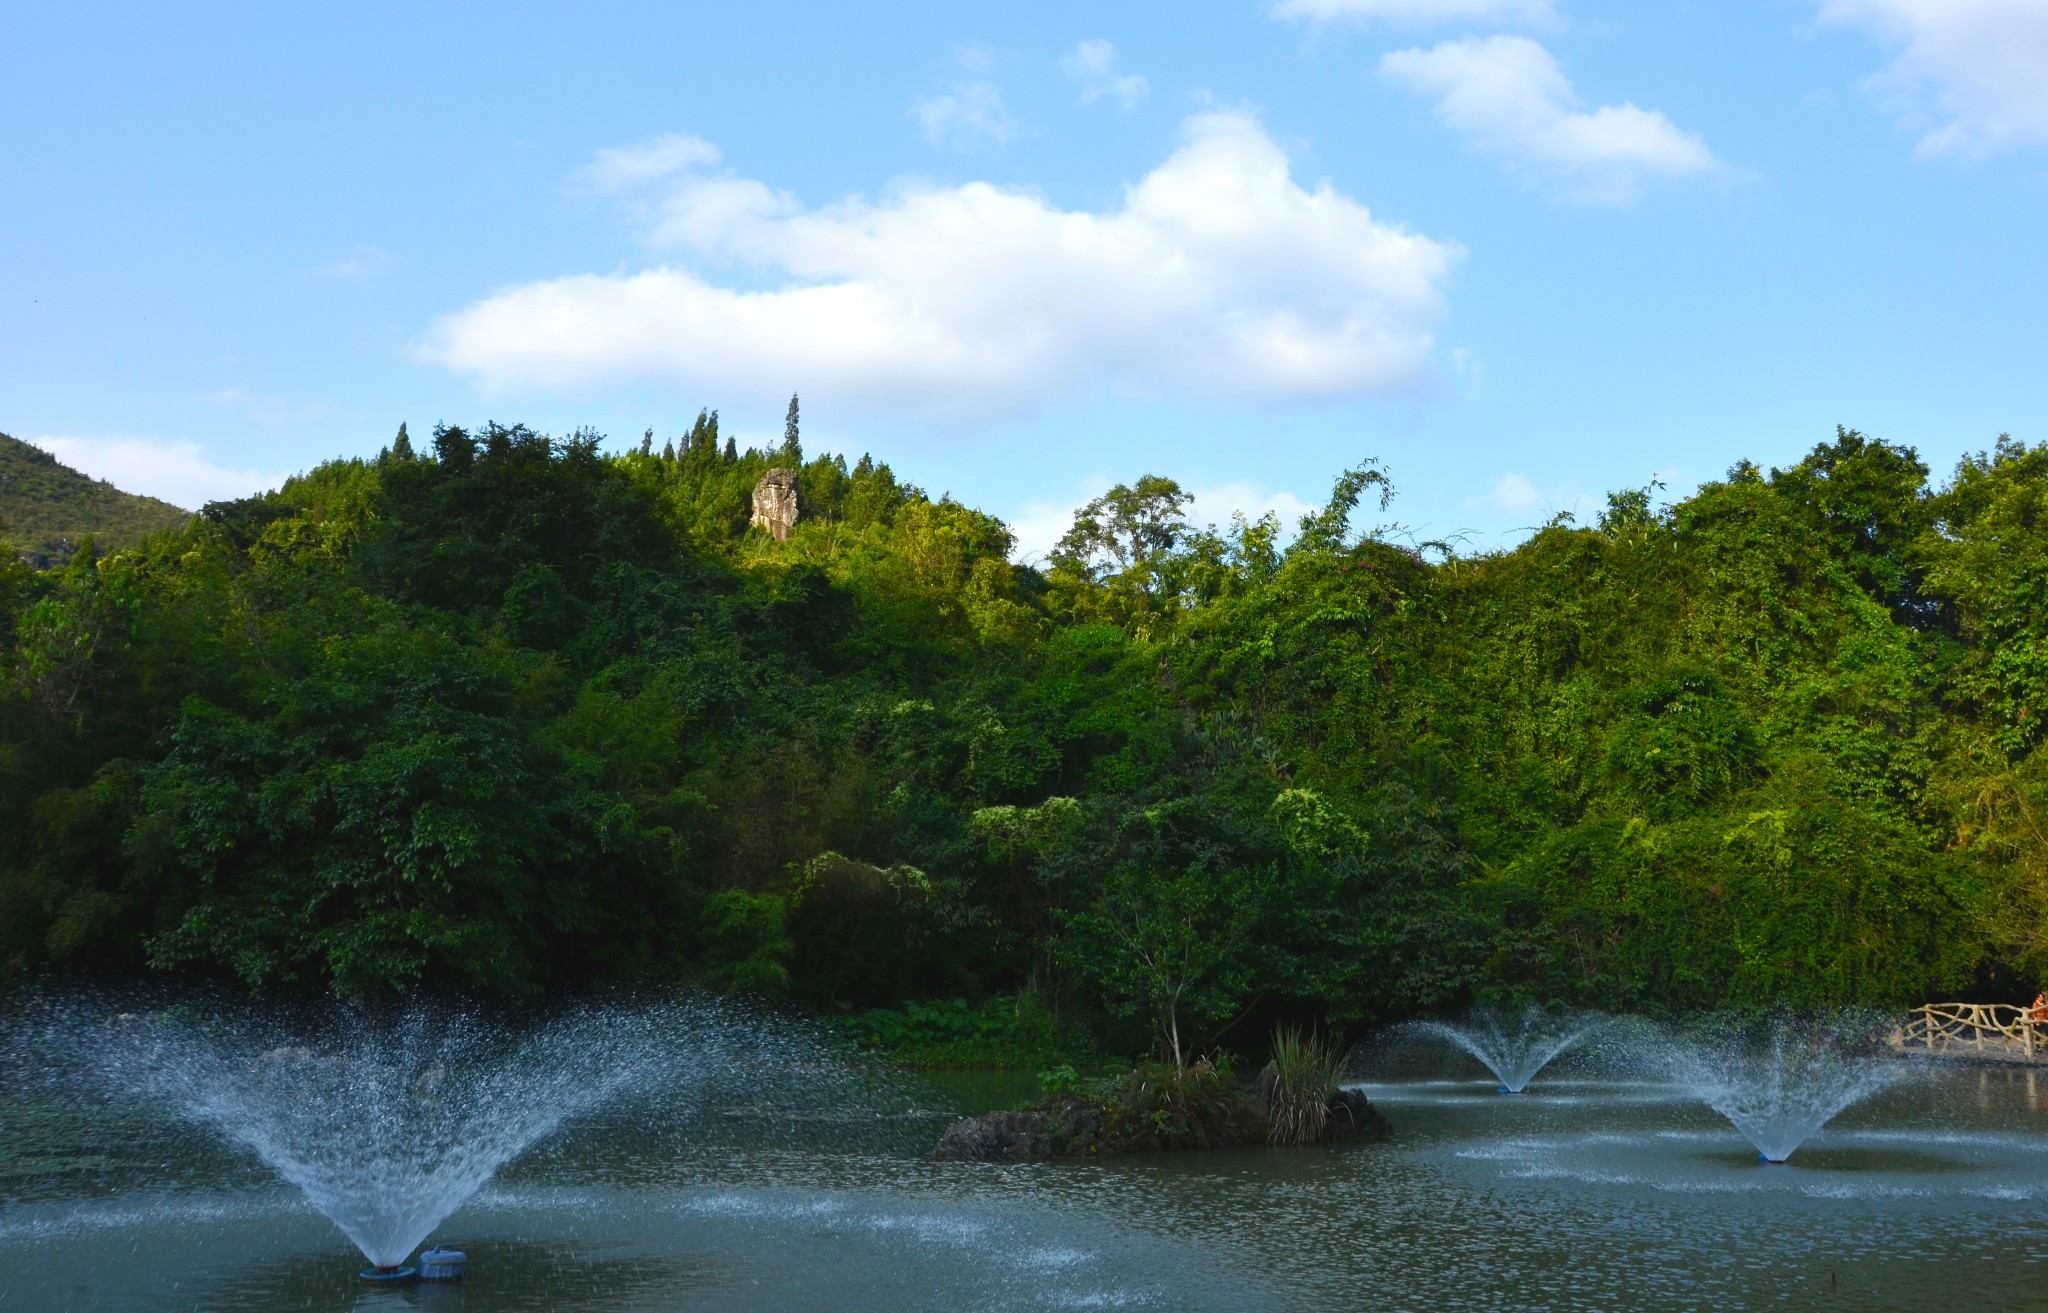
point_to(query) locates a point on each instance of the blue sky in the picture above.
(1521, 251)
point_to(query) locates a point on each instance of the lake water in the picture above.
(1584, 1194)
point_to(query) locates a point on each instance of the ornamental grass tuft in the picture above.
(1296, 1087)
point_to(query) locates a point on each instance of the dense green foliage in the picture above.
(1016, 1032)
(47, 510)
(513, 715)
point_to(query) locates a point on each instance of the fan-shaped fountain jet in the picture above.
(1514, 1049)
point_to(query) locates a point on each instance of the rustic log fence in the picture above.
(1997, 1032)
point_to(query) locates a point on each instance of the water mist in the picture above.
(389, 1125)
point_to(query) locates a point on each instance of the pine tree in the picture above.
(792, 446)
(701, 447)
(401, 446)
(454, 448)
(732, 452)
(647, 443)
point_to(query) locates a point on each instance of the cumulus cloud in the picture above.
(1980, 67)
(1039, 526)
(1507, 96)
(1513, 492)
(1217, 272)
(1092, 64)
(1215, 505)
(1416, 13)
(168, 469)
(971, 114)
(1516, 495)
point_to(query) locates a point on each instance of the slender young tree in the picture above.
(792, 445)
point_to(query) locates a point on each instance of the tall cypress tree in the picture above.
(401, 446)
(792, 446)
(702, 444)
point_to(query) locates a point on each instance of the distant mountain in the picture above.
(48, 508)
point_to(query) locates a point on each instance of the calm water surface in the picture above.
(1584, 1194)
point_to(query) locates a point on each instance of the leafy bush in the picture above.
(1157, 1106)
(746, 950)
(1059, 1080)
(1001, 1032)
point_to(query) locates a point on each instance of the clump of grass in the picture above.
(1296, 1087)
(1156, 1106)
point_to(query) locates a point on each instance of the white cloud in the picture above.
(1513, 492)
(360, 265)
(1516, 495)
(1217, 503)
(1508, 97)
(622, 166)
(1981, 66)
(1417, 13)
(1038, 528)
(971, 114)
(1217, 272)
(271, 412)
(1092, 64)
(975, 58)
(168, 469)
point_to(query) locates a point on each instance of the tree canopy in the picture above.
(511, 714)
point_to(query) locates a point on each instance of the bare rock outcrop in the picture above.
(775, 507)
(997, 1137)
(1352, 1117)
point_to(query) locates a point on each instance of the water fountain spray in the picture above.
(1514, 1049)
(1779, 1087)
(389, 1126)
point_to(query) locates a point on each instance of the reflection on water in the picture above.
(1589, 1193)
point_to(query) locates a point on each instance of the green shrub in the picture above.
(1155, 1106)
(1014, 1032)
(1059, 1080)
(746, 950)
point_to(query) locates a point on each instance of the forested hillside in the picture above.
(511, 715)
(47, 509)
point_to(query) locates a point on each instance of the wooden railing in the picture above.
(1991, 1030)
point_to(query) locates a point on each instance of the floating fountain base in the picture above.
(1769, 1161)
(1505, 1090)
(388, 1273)
(442, 1264)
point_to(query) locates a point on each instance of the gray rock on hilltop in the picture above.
(775, 507)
